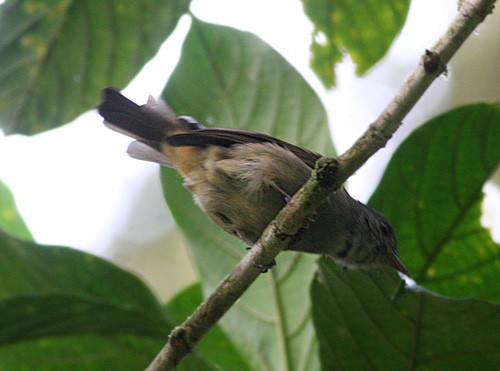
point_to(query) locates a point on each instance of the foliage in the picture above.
(10, 219)
(361, 326)
(445, 247)
(56, 54)
(362, 30)
(64, 309)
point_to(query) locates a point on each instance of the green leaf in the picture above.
(81, 352)
(49, 294)
(216, 346)
(88, 352)
(10, 219)
(432, 193)
(361, 327)
(58, 54)
(46, 315)
(231, 78)
(30, 269)
(363, 29)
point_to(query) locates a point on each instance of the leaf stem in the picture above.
(281, 324)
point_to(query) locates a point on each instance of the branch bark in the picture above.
(328, 176)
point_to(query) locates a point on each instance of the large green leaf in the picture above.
(432, 193)
(363, 29)
(10, 219)
(231, 78)
(80, 352)
(88, 352)
(58, 54)
(50, 294)
(28, 269)
(361, 327)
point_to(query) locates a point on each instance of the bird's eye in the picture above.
(386, 229)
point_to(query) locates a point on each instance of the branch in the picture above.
(328, 176)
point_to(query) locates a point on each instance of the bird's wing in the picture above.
(227, 137)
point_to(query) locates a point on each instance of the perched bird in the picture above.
(242, 179)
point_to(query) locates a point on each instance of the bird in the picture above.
(241, 179)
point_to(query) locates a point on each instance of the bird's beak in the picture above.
(396, 263)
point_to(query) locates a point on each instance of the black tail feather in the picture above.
(129, 118)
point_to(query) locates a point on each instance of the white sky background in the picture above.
(76, 186)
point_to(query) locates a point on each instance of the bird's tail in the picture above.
(148, 123)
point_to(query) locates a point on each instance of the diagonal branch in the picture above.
(327, 176)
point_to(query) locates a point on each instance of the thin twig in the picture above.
(327, 176)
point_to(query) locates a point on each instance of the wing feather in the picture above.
(227, 137)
